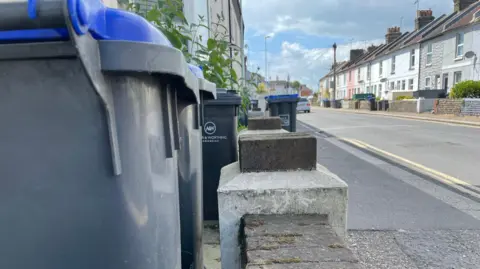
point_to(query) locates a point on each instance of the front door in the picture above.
(445, 82)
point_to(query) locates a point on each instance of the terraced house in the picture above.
(437, 54)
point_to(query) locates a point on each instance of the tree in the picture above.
(296, 85)
(261, 88)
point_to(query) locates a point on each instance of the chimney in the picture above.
(371, 48)
(355, 54)
(392, 34)
(424, 17)
(460, 5)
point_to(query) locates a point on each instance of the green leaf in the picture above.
(153, 14)
(233, 74)
(174, 39)
(211, 44)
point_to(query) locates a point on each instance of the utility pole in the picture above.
(333, 104)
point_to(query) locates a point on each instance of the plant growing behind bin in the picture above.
(403, 97)
(215, 58)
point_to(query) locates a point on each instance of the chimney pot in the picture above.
(424, 17)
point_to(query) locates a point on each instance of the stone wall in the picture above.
(365, 105)
(437, 63)
(403, 106)
(348, 104)
(448, 106)
(471, 107)
(425, 105)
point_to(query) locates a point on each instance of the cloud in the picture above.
(360, 19)
(332, 19)
(306, 65)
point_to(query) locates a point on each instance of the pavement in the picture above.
(396, 218)
(445, 118)
(450, 149)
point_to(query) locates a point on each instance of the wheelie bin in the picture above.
(190, 175)
(219, 145)
(89, 138)
(285, 107)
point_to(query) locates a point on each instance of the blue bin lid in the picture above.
(282, 96)
(92, 16)
(197, 71)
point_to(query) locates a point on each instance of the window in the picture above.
(412, 58)
(459, 48)
(380, 71)
(410, 84)
(457, 77)
(427, 83)
(368, 89)
(344, 79)
(350, 75)
(369, 71)
(358, 75)
(403, 84)
(392, 85)
(398, 85)
(393, 65)
(375, 89)
(379, 89)
(338, 80)
(429, 54)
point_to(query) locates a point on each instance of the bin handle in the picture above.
(167, 110)
(88, 53)
(176, 132)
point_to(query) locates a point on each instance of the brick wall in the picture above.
(403, 106)
(448, 106)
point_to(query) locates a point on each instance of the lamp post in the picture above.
(266, 60)
(333, 104)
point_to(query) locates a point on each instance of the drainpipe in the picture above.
(230, 28)
(420, 67)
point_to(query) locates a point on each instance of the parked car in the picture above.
(303, 105)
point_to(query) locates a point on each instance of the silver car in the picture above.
(303, 105)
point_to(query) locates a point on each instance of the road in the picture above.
(451, 149)
(397, 219)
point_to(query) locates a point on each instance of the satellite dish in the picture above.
(470, 54)
(383, 80)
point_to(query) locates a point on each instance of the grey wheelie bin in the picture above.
(89, 138)
(190, 175)
(285, 107)
(219, 145)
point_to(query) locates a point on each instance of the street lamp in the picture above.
(334, 105)
(266, 61)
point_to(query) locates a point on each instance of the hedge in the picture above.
(466, 89)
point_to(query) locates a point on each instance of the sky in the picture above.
(302, 32)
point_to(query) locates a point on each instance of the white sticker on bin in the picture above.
(285, 119)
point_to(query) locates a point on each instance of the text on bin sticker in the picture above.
(285, 119)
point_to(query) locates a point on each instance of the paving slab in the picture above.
(300, 240)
